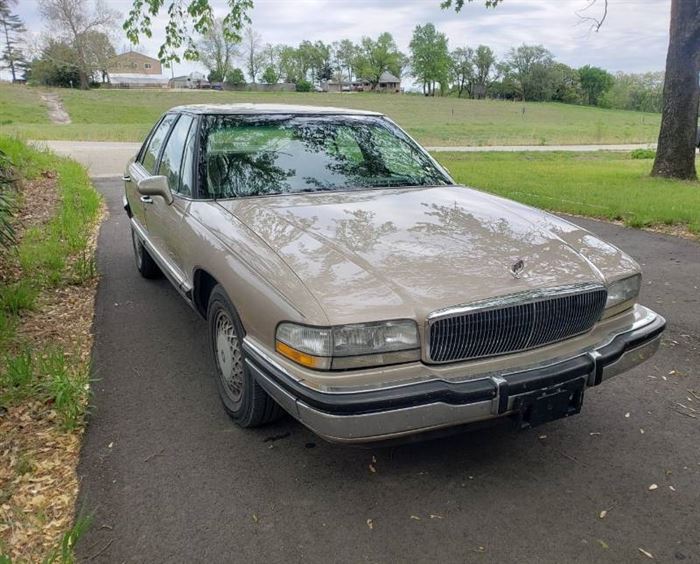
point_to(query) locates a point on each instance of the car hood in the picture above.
(395, 253)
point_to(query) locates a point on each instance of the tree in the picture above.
(566, 84)
(321, 61)
(99, 52)
(12, 28)
(271, 54)
(252, 53)
(270, 76)
(345, 55)
(74, 21)
(430, 57)
(675, 154)
(462, 68)
(289, 67)
(305, 55)
(639, 92)
(184, 17)
(375, 57)
(595, 82)
(57, 65)
(529, 67)
(217, 51)
(484, 62)
(235, 77)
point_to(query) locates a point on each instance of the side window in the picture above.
(150, 156)
(171, 160)
(186, 172)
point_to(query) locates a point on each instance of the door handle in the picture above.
(146, 199)
(126, 178)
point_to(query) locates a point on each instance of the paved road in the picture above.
(543, 148)
(169, 478)
(107, 158)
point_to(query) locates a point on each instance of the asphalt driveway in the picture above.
(169, 478)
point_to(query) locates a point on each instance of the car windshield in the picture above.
(265, 155)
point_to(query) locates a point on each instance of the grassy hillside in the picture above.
(21, 105)
(127, 115)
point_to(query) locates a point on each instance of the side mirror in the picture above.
(156, 186)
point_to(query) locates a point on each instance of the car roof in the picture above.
(270, 109)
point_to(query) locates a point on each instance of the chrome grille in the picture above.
(514, 323)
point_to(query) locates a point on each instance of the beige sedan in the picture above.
(348, 280)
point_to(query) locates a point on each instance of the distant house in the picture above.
(387, 83)
(193, 80)
(135, 63)
(136, 70)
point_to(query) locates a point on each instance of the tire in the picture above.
(144, 262)
(243, 398)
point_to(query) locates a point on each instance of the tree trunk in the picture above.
(84, 84)
(675, 155)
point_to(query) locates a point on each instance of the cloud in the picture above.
(634, 37)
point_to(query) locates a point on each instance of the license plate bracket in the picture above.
(556, 402)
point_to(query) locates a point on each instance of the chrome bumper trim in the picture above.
(631, 358)
(633, 347)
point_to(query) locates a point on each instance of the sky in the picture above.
(634, 37)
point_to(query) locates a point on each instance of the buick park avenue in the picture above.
(348, 280)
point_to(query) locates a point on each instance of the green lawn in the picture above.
(127, 115)
(603, 184)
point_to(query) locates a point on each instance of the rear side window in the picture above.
(171, 161)
(150, 156)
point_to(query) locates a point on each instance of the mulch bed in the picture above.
(38, 482)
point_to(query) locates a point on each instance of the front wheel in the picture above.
(243, 398)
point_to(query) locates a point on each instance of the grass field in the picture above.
(21, 105)
(127, 115)
(603, 184)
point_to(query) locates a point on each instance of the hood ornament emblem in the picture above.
(517, 268)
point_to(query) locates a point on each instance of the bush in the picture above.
(303, 86)
(235, 77)
(643, 154)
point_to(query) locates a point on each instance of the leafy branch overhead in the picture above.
(459, 4)
(184, 17)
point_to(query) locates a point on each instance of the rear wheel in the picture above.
(144, 263)
(243, 398)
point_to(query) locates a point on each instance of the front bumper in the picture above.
(387, 413)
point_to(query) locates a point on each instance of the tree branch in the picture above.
(595, 23)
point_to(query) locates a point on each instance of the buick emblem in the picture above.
(517, 269)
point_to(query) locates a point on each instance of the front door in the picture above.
(166, 221)
(143, 167)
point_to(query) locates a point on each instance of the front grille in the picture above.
(526, 322)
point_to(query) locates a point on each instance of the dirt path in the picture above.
(54, 105)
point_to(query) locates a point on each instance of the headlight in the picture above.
(623, 290)
(349, 346)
